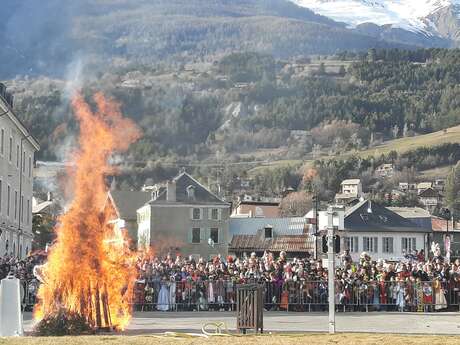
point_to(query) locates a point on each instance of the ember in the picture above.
(90, 270)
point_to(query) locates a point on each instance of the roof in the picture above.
(379, 219)
(439, 224)
(259, 203)
(39, 208)
(202, 195)
(17, 121)
(424, 185)
(411, 212)
(126, 203)
(281, 226)
(429, 193)
(287, 243)
(351, 181)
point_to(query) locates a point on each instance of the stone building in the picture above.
(17, 149)
(186, 218)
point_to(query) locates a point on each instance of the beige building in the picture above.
(17, 148)
(186, 218)
(351, 190)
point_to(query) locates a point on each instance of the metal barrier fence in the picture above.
(302, 296)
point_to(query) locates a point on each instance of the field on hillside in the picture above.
(317, 339)
(450, 135)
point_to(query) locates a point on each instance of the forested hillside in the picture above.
(247, 102)
(45, 37)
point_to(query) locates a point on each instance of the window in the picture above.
(370, 244)
(8, 202)
(2, 142)
(21, 208)
(11, 149)
(17, 156)
(191, 192)
(351, 243)
(268, 232)
(408, 245)
(196, 235)
(214, 235)
(30, 167)
(196, 213)
(215, 214)
(387, 245)
(28, 211)
(24, 162)
(16, 205)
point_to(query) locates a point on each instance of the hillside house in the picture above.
(256, 208)
(351, 190)
(385, 170)
(431, 199)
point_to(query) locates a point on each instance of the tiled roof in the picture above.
(202, 194)
(351, 181)
(411, 212)
(127, 203)
(429, 193)
(288, 243)
(280, 226)
(440, 225)
(371, 217)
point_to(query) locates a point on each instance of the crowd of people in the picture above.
(186, 283)
(172, 283)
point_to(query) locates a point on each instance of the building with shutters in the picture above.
(185, 217)
(17, 149)
(381, 232)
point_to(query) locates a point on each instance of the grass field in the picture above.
(451, 135)
(312, 339)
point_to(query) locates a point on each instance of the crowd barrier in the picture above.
(302, 296)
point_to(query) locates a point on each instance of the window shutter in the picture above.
(209, 210)
(191, 213)
(391, 244)
(414, 243)
(402, 245)
(190, 235)
(376, 244)
(203, 235)
(356, 245)
(220, 217)
(201, 214)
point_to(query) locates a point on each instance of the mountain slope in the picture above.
(430, 18)
(45, 37)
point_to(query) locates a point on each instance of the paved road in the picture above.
(410, 323)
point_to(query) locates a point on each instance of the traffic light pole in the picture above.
(331, 268)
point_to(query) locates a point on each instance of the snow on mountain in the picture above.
(411, 15)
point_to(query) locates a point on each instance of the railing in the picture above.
(302, 296)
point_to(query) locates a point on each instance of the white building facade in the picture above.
(17, 149)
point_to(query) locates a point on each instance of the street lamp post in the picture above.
(331, 212)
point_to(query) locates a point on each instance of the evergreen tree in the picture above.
(453, 191)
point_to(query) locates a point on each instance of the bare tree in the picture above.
(296, 204)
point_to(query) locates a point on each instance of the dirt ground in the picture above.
(267, 339)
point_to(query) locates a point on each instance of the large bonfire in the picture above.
(89, 269)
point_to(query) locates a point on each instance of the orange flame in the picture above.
(90, 270)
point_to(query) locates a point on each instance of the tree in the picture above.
(296, 204)
(453, 190)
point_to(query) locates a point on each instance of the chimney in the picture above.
(171, 191)
(49, 196)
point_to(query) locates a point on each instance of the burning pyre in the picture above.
(89, 272)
